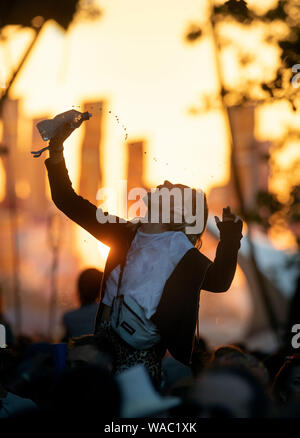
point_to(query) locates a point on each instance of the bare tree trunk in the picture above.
(238, 188)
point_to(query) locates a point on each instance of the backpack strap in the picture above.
(123, 263)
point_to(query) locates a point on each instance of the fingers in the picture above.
(227, 215)
(226, 211)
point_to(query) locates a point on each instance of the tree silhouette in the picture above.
(34, 13)
(280, 30)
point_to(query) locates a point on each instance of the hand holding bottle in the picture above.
(61, 134)
(59, 128)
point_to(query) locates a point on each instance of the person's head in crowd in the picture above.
(88, 286)
(273, 362)
(286, 386)
(86, 351)
(231, 355)
(231, 392)
(87, 392)
(225, 354)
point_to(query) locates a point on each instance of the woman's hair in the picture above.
(231, 355)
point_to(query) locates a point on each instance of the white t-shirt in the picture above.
(150, 261)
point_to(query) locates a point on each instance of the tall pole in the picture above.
(16, 265)
(13, 210)
(15, 247)
(54, 238)
(10, 140)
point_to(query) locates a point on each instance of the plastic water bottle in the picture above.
(49, 128)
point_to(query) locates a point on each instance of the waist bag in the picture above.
(129, 321)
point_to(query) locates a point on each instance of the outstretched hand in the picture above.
(227, 230)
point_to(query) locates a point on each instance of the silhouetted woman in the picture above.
(162, 267)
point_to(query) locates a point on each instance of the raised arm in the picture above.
(221, 272)
(80, 210)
